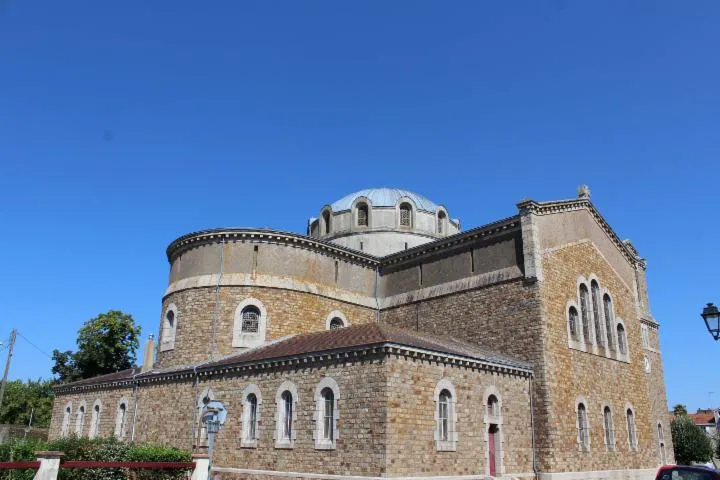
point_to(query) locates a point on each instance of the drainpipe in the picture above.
(135, 408)
(532, 426)
(377, 299)
(194, 406)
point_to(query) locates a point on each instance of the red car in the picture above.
(686, 472)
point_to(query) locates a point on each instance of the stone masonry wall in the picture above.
(572, 373)
(411, 448)
(288, 312)
(109, 400)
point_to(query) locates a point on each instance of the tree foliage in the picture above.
(680, 409)
(690, 442)
(106, 344)
(25, 398)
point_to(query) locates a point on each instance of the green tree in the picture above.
(680, 409)
(690, 442)
(25, 398)
(106, 344)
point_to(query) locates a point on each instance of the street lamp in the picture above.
(711, 315)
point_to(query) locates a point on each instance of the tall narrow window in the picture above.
(493, 406)
(80, 421)
(645, 335)
(120, 420)
(595, 290)
(169, 327)
(252, 404)
(661, 441)
(327, 227)
(632, 434)
(405, 215)
(583, 433)
(250, 416)
(443, 415)
(65, 430)
(441, 218)
(584, 311)
(328, 414)
(622, 340)
(609, 321)
(573, 321)
(609, 430)
(287, 415)
(95, 421)
(362, 215)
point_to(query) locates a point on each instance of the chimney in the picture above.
(148, 359)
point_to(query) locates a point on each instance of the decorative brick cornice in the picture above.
(561, 206)
(305, 360)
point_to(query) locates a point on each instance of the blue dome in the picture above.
(384, 197)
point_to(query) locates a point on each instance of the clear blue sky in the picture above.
(126, 124)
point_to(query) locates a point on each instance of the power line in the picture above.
(32, 344)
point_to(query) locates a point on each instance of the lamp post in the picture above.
(711, 315)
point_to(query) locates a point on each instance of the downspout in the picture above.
(377, 299)
(135, 408)
(213, 334)
(194, 406)
(532, 426)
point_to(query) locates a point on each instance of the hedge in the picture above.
(99, 449)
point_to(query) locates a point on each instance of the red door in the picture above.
(492, 434)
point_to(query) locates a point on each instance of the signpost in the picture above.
(214, 414)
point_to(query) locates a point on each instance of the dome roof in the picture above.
(384, 197)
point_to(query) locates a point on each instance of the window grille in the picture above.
(362, 215)
(336, 324)
(573, 319)
(595, 288)
(444, 416)
(250, 320)
(405, 218)
(328, 413)
(584, 307)
(609, 321)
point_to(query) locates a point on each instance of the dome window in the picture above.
(326, 222)
(336, 323)
(362, 215)
(441, 222)
(405, 215)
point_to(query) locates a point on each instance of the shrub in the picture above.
(690, 442)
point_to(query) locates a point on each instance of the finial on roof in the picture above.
(583, 191)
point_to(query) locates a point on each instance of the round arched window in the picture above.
(250, 319)
(336, 323)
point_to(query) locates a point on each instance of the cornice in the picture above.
(561, 206)
(342, 355)
(266, 236)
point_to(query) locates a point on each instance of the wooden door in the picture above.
(492, 449)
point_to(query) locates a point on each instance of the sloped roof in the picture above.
(370, 334)
(384, 197)
(122, 375)
(702, 417)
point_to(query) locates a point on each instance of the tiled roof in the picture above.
(361, 336)
(108, 377)
(702, 417)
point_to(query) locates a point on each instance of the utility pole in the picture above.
(13, 334)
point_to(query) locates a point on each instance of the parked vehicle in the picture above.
(686, 472)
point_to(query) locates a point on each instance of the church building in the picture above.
(387, 342)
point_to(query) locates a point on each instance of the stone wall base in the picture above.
(639, 474)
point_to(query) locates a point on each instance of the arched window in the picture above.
(622, 340)
(595, 291)
(251, 416)
(609, 321)
(645, 336)
(583, 431)
(609, 429)
(405, 215)
(444, 416)
(494, 433)
(80, 421)
(493, 406)
(362, 215)
(327, 394)
(573, 321)
(336, 323)
(169, 327)
(285, 400)
(250, 324)
(95, 420)
(584, 311)
(441, 219)
(632, 433)
(661, 442)
(120, 419)
(326, 222)
(67, 414)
